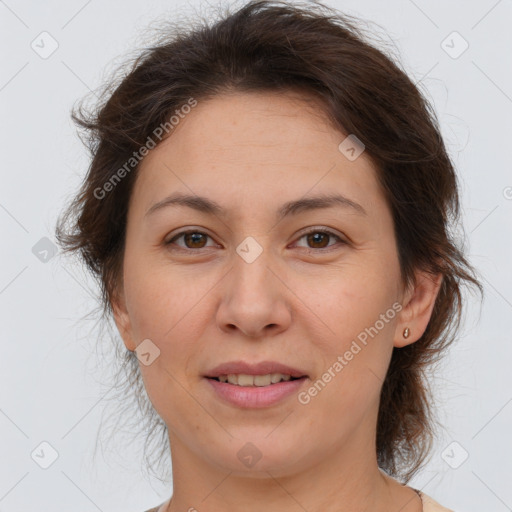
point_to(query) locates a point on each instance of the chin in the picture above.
(257, 455)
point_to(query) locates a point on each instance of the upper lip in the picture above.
(261, 368)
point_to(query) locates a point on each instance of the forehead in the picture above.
(254, 149)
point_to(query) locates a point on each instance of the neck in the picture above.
(349, 480)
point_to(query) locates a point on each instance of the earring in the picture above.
(406, 332)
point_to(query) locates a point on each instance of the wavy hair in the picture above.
(268, 45)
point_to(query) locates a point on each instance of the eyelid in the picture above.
(321, 229)
(302, 234)
(325, 230)
(186, 232)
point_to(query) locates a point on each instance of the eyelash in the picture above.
(308, 250)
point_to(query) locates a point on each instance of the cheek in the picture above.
(355, 351)
(355, 305)
(350, 297)
(161, 301)
(162, 310)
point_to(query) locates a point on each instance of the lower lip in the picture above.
(256, 396)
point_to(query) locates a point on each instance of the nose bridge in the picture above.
(253, 298)
(251, 269)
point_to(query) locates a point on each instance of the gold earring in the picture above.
(406, 332)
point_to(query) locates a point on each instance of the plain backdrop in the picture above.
(459, 54)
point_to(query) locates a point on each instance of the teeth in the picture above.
(243, 379)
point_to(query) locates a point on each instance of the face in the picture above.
(256, 282)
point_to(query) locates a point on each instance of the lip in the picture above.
(261, 368)
(255, 397)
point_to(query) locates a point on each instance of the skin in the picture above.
(204, 305)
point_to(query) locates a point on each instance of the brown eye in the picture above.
(192, 240)
(315, 239)
(319, 239)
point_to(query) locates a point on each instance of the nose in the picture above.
(255, 299)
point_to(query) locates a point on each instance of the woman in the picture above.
(268, 210)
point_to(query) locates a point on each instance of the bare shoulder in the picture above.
(431, 505)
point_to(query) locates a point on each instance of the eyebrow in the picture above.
(210, 207)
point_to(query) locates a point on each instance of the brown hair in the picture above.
(276, 46)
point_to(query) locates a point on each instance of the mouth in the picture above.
(264, 373)
(246, 380)
(264, 384)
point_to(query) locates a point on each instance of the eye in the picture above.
(319, 238)
(193, 239)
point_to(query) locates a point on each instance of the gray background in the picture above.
(50, 388)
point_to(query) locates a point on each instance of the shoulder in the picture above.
(430, 505)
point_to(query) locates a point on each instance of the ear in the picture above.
(417, 306)
(122, 320)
